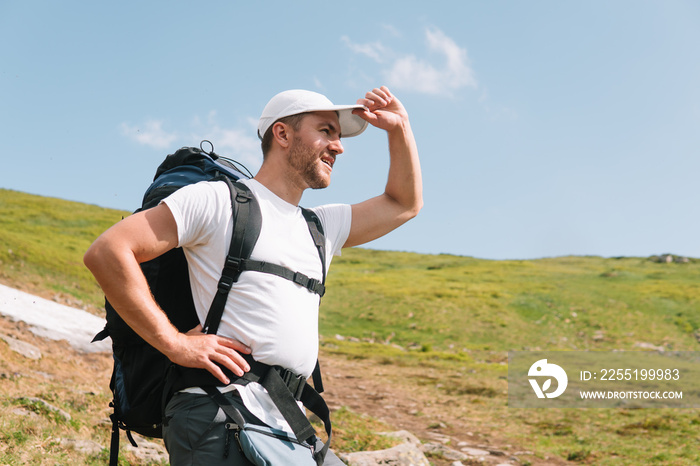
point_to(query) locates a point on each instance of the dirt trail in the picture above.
(393, 394)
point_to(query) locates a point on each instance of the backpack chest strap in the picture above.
(311, 284)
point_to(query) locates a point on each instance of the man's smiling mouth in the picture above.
(328, 160)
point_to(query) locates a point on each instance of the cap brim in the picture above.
(350, 124)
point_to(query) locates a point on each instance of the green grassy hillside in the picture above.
(448, 303)
(42, 242)
(565, 303)
(435, 318)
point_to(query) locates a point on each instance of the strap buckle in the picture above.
(225, 284)
(316, 286)
(242, 197)
(233, 263)
(312, 284)
(295, 383)
(229, 275)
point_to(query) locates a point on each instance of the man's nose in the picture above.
(336, 147)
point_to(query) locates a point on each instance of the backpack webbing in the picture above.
(283, 386)
(243, 238)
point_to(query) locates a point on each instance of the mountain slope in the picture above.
(417, 341)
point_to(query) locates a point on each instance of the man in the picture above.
(273, 319)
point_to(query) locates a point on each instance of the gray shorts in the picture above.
(195, 432)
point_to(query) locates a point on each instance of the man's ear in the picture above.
(281, 132)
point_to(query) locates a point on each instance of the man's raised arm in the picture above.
(403, 195)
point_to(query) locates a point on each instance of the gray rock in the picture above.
(24, 412)
(405, 454)
(440, 437)
(18, 346)
(404, 436)
(442, 451)
(148, 450)
(475, 452)
(48, 406)
(87, 447)
(648, 346)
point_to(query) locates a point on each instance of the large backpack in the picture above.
(142, 377)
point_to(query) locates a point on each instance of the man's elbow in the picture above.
(92, 257)
(417, 205)
(413, 210)
(100, 256)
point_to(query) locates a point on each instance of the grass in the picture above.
(444, 322)
(357, 432)
(459, 303)
(461, 315)
(42, 241)
(46, 402)
(474, 387)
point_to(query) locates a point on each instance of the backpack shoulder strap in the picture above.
(316, 230)
(247, 221)
(311, 284)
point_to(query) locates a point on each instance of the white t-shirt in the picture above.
(275, 317)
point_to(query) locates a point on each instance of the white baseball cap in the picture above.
(298, 101)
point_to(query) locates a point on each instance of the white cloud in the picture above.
(392, 30)
(150, 133)
(413, 74)
(418, 74)
(458, 72)
(446, 70)
(238, 143)
(375, 50)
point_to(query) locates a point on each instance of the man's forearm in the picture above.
(404, 185)
(126, 288)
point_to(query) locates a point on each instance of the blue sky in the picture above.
(545, 128)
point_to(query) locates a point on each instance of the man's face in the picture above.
(314, 148)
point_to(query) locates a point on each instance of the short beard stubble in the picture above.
(305, 162)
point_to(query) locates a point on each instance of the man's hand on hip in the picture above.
(205, 351)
